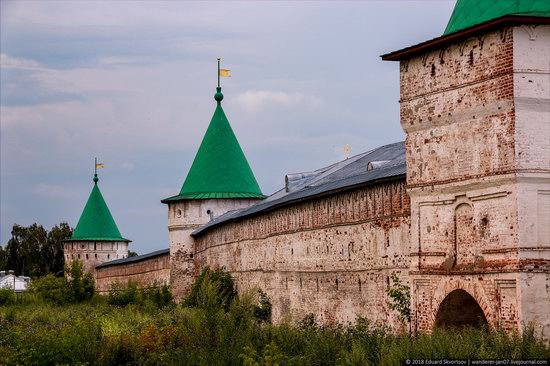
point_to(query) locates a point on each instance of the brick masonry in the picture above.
(477, 118)
(329, 256)
(150, 272)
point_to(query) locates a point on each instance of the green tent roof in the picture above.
(468, 13)
(220, 168)
(96, 221)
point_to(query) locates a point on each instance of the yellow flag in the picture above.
(99, 165)
(225, 73)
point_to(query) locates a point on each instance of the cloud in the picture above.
(254, 101)
(9, 62)
(128, 166)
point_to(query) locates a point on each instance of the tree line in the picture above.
(34, 251)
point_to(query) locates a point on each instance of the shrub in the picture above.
(7, 296)
(77, 288)
(81, 284)
(122, 295)
(262, 311)
(52, 289)
(126, 294)
(212, 289)
(400, 296)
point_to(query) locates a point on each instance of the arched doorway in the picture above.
(459, 309)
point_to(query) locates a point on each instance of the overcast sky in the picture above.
(132, 82)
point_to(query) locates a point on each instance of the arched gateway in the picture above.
(459, 309)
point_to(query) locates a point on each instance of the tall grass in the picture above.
(142, 327)
(102, 334)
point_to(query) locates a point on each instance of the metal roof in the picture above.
(468, 13)
(220, 168)
(135, 259)
(344, 175)
(96, 222)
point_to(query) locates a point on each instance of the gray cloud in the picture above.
(132, 82)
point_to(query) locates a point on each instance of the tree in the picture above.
(35, 252)
(81, 283)
(400, 296)
(79, 286)
(132, 254)
(212, 289)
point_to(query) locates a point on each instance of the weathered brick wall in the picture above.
(477, 118)
(149, 272)
(458, 112)
(329, 256)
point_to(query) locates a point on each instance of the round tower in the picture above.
(220, 180)
(96, 238)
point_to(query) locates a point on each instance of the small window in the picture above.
(108, 256)
(179, 213)
(96, 256)
(79, 256)
(86, 256)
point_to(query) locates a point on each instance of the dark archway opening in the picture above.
(458, 310)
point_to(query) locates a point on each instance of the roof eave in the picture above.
(302, 199)
(506, 20)
(98, 239)
(218, 195)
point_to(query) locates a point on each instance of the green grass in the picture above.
(97, 333)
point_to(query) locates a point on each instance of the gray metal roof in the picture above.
(138, 258)
(344, 175)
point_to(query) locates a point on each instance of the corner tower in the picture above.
(475, 106)
(220, 180)
(96, 238)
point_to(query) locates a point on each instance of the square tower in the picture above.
(475, 105)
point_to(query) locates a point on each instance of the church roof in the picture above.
(220, 168)
(468, 13)
(378, 165)
(96, 222)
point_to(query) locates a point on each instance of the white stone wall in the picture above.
(532, 105)
(92, 253)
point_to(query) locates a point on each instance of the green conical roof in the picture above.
(220, 169)
(468, 13)
(96, 221)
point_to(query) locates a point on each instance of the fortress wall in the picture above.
(153, 271)
(329, 256)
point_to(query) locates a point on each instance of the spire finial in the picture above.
(218, 96)
(97, 165)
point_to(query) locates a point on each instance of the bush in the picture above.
(52, 289)
(126, 294)
(212, 289)
(81, 284)
(7, 296)
(262, 311)
(77, 288)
